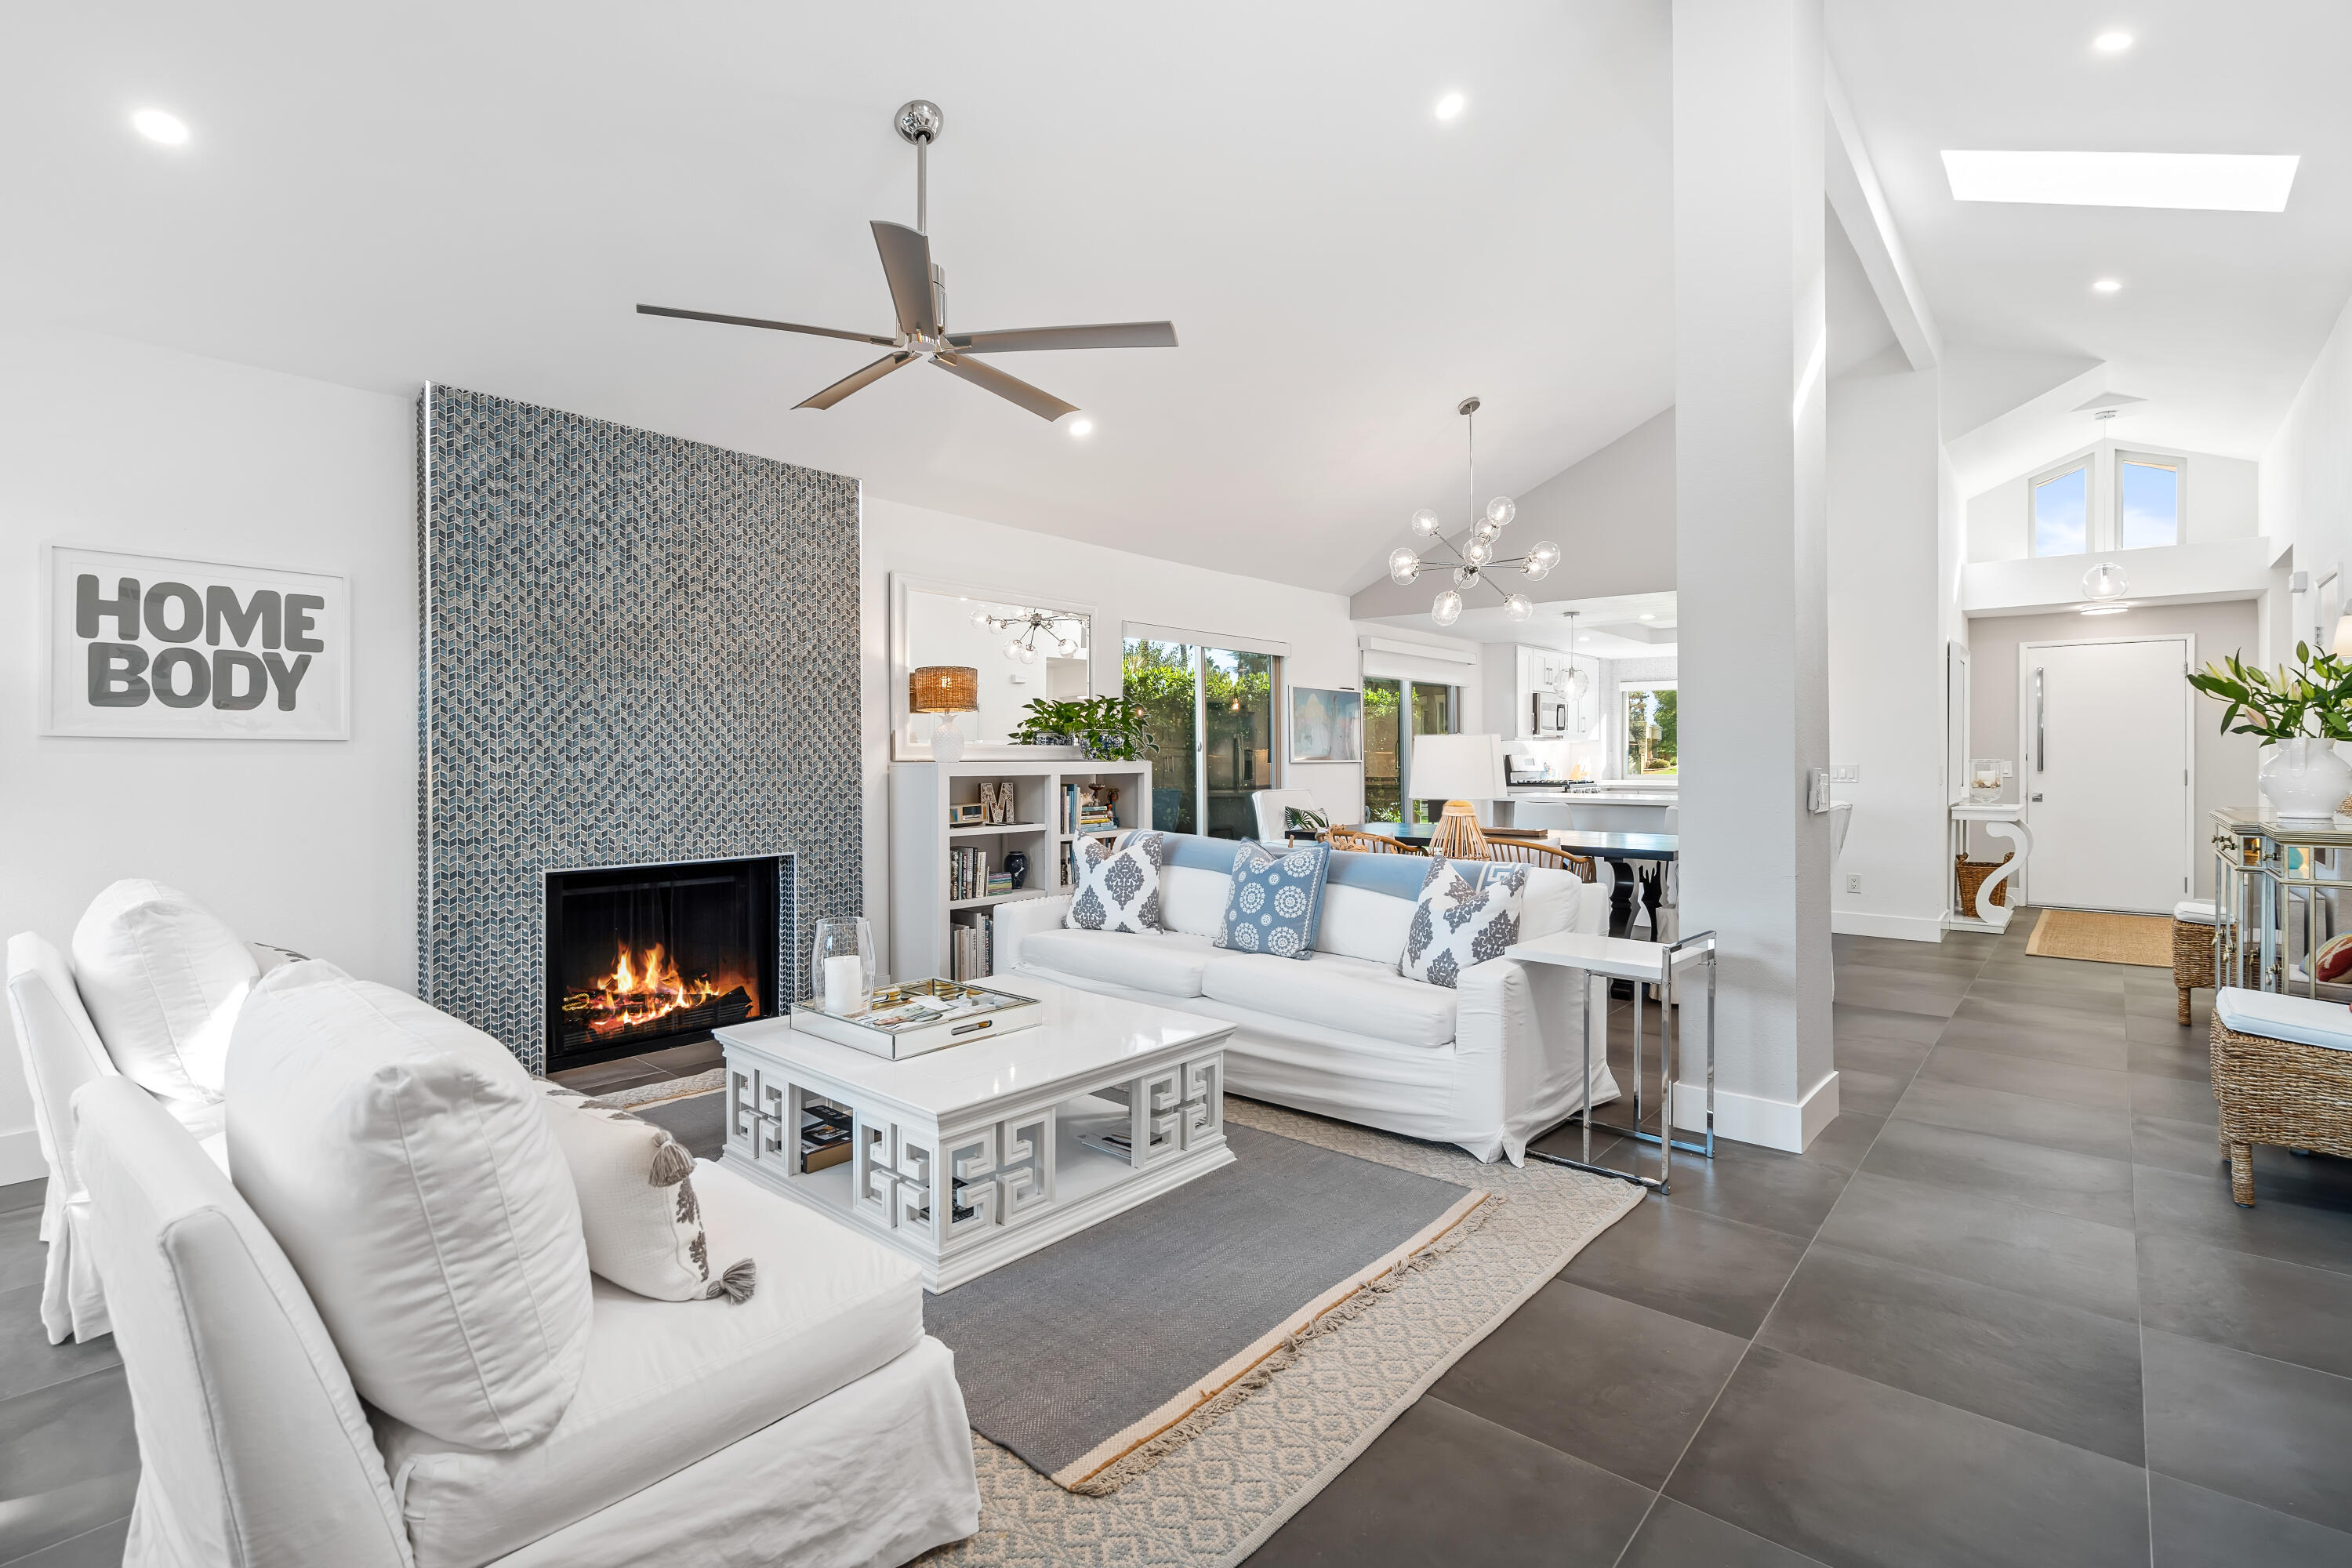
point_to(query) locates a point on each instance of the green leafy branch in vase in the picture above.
(2314, 701)
(1105, 726)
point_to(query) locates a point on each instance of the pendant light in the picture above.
(1476, 557)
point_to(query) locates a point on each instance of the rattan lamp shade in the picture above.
(943, 689)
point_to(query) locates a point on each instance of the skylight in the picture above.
(2210, 182)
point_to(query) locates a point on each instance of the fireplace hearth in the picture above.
(644, 957)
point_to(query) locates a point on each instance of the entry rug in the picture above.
(1211, 1499)
(1096, 1356)
(2142, 940)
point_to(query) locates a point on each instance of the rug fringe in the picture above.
(1146, 1455)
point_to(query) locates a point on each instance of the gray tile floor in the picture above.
(2003, 1312)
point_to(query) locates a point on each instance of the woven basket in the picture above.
(1972, 876)
(2192, 959)
(2281, 1093)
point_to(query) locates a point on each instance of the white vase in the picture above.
(2304, 779)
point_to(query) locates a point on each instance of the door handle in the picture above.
(2037, 798)
(2041, 715)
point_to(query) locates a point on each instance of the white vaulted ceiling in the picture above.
(478, 195)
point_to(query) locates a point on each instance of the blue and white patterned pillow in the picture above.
(1118, 890)
(1457, 923)
(1276, 901)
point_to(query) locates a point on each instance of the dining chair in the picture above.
(1369, 843)
(1527, 853)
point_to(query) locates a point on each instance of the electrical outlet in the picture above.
(1854, 882)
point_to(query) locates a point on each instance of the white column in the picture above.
(1749, 544)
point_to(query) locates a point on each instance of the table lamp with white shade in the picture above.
(1458, 770)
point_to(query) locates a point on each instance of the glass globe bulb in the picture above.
(1013, 648)
(1477, 553)
(1465, 576)
(1501, 510)
(1534, 569)
(1485, 529)
(1404, 564)
(2104, 581)
(1028, 653)
(1518, 606)
(1425, 524)
(1447, 609)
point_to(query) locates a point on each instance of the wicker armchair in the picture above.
(1369, 843)
(2281, 1092)
(2192, 953)
(1525, 853)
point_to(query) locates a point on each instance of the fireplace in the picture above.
(641, 957)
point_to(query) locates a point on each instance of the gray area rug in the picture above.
(699, 1120)
(1092, 1356)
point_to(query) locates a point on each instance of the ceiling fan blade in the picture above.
(854, 380)
(907, 262)
(1044, 404)
(772, 326)
(1110, 335)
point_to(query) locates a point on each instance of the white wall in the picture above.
(1886, 621)
(2306, 470)
(2224, 765)
(2218, 498)
(307, 844)
(1122, 588)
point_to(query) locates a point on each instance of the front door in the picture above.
(2107, 750)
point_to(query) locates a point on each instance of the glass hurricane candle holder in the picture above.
(841, 965)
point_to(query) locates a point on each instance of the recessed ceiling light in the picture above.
(2107, 285)
(1449, 106)
(2206, 181)
(157, 126)
(2112, 43)
(1081, 427)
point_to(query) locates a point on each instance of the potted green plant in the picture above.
(2301, 714)
(1104, 728)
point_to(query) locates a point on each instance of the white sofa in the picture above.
(1342, 1034)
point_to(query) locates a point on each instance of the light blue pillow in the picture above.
(1276, 903)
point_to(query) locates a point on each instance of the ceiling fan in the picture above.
(918, 290)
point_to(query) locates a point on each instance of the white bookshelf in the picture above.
(920, 838)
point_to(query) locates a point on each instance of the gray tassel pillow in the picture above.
(637, 1206)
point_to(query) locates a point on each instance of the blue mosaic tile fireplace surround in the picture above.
(636, 650)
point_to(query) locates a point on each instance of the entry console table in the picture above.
(1998, 822)
(968, 1157)
(2281, 889)
(1645, 963)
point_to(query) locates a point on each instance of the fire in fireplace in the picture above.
(641, 957)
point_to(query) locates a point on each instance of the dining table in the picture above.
(1623, 851)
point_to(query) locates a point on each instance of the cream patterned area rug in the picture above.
(1213, 1499)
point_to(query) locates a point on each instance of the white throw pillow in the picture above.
(637, 1207)
(1117, 891)
(405, 1162)
(163, 979)
(1457, 923)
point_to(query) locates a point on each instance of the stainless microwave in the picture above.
(1550, 716)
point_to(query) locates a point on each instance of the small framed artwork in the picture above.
(1326, 726)
(970, 815)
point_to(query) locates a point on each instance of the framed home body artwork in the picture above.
(1326, 726)
(165, 646)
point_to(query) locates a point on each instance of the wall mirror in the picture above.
(1024, 648)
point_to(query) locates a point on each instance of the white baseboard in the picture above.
(1752, 1119)
(20, 1156)
(1902, 927)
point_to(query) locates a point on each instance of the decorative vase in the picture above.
(841, 965)
(1016, 866)
(2304, 778)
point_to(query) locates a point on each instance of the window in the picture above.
(1395, 710)
(1210, 712)
(2061, 512)
(1651, 733)
(2147, 499)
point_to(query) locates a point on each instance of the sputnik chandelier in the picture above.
(1476, 557)
(1028, 627)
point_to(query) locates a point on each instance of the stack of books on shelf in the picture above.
(824, 1135)
(1069, 865)
(1088, 807)
(967, 873)
(971, 948)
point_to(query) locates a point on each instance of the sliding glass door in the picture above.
(1211, 713)
(1394, 712)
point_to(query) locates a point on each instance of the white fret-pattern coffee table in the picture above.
(999, 1123)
